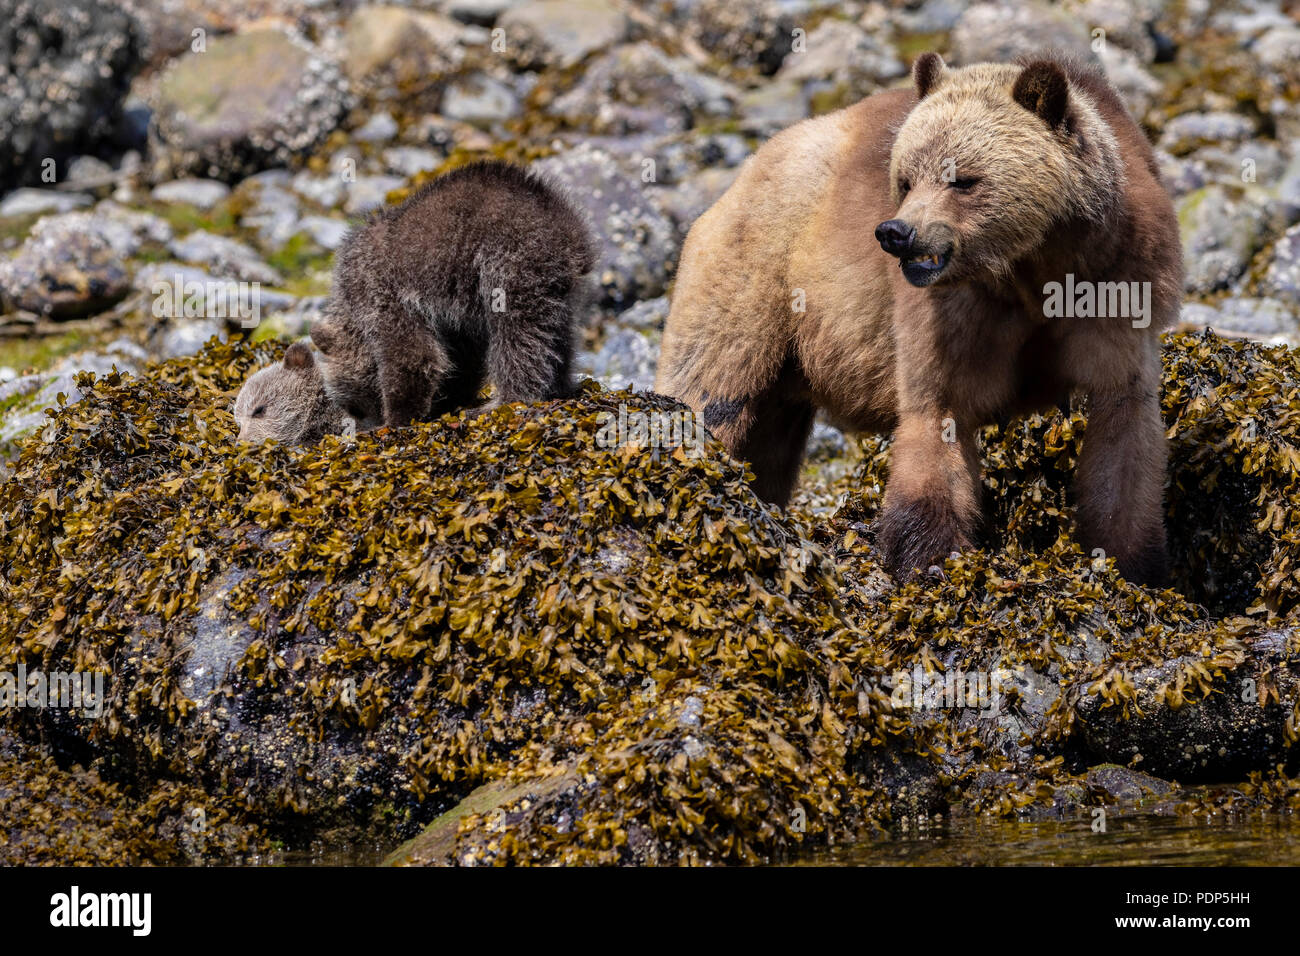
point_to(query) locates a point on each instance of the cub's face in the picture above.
(282, 401)
(981, 170)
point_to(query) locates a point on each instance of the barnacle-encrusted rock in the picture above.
(64, 272)
(50, 816)
(637, 244)
(249, 101)
(64, 68)
(611, 655)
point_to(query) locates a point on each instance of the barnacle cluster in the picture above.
(620, 654)
(56, 816)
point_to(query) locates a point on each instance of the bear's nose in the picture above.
(895, 237)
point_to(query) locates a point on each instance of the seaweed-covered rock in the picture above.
(1241, 718)
(580, 645)
(24, 399)
(366, 631)
(55, 816)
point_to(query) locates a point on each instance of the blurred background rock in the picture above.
(202, 142)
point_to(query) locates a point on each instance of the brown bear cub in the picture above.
(900, 264)
(287, 401)
(476, 277)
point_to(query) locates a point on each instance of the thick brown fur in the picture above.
(475, 277)
(287, 401)
(1008, 177)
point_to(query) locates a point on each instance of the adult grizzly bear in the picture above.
(900, 264)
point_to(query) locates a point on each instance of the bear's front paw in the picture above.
(917, 535)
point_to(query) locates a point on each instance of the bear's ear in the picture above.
(298, 356)
(1042, 89)
(926, 72)
(323, 337)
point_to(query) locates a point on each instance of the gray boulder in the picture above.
(842, 54)
(481, 99)
(1283, 276)
(250, 101)
(65, 66)
(1000, 32)
(628, 358)
(560, 33)
(638, 88)
(389, 48)
(200, 193)
(751, 36)
(31, 202)
(224, 255)
(64, 272)
(637, 241)
(1221, 231)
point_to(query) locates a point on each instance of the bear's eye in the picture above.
(964, 184)
(259, 411)
(904, 186)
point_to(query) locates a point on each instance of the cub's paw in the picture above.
(917, 535)
(478, 411)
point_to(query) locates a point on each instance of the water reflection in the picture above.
(1129, 840)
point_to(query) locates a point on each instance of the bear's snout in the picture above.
(895, 237)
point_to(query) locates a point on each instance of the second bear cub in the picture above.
(476, 276)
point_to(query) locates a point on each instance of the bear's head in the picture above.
(990, 160)
(287, 401)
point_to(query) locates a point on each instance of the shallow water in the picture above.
(1257, 839)
(1129, 840)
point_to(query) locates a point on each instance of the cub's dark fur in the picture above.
(476, 276)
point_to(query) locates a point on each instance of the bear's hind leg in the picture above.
(467, 367)
(1119, 484)
(769, 431)
(530, 360)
